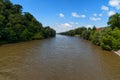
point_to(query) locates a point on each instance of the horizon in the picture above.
(64, 15)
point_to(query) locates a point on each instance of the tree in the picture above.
(86, 34)
(116, 39)
(18, 26)
(49, 32)
(114, 21)
(79, 31)
(26, 35)
(17, 9)
(9, 35)
(106, 39)
(96, 36)
(94, 28)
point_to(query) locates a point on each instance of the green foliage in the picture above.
(95, 37)
(116, 39)
(74, 32)
(18, 26)
(17, 9)
(86, 34)
(105, 47)
(106, 41)
(79, 31)
(38, 36)
(26, 35)
(116, 44)
(9, 35)
(70, 33)
(114, 21)
(108, 38)
(48, 32)
(94, 28)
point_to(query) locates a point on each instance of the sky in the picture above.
(64, 15)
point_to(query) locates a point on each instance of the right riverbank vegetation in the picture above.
(106, 37)
(16, 26)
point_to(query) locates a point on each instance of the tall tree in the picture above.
(114, 21)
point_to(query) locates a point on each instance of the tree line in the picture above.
(16, 25)
(108, 38)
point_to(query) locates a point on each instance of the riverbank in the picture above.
(117, 52)
(5, 42)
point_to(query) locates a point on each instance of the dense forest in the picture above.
(16, 26)
(107, 37)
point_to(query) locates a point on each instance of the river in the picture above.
(59, 58)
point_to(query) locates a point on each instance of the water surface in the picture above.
(59, 58)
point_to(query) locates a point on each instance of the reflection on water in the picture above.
(60, 58)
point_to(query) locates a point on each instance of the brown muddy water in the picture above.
(59, 58)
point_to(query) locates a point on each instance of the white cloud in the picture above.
(74, 23)
(95, 18)
(101, 15)
(89, 26)
(110, 13)
(105, 8)
(83, 16)
(61, 15)
(61, 27)
(66, 25)
(115, 3)
(94, 14)
(76, 15)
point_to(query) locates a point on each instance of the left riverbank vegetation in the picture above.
(16, 26)
(106, 37)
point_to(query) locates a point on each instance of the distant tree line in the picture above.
(16, 25)
(108, 37)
